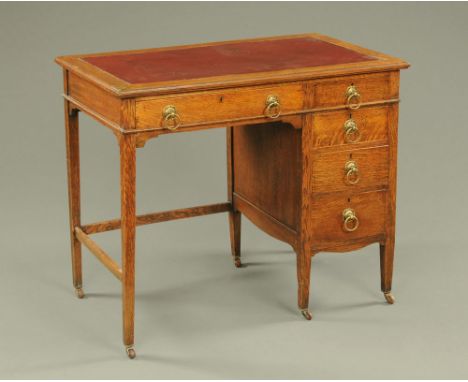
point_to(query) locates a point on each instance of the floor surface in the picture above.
(199, 317)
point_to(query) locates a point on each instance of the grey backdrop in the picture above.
(196, 315)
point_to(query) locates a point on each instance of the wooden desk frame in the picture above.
(113, 103)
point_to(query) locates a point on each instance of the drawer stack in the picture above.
(351, 154)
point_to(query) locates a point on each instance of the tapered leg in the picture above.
(386, 269)
(128, 216)
(234, 216)
(73, 170)
(304, 260)
(387, 248)
(235, 235)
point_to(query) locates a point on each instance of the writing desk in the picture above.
(311, 127)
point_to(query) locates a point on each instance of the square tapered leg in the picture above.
(73, 171)
(128, 218)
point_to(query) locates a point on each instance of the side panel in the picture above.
(94, 98)
(267, 169)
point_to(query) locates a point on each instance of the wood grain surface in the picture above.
(371, 122)
(387, 247)
(224, 105)
(158, 217)
(372, 87)
(128, 228)
(326, 220)
(95, 98)
(72, 144)
(266, 168)
(329, 173)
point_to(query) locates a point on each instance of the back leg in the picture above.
(235, 235)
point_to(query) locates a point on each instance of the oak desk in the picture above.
(311, 127)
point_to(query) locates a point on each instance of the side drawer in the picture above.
(328, 220)
(335, 128)
(370, 88)
(350, 170)
(219, 106)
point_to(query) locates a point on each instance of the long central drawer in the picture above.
(219, 106)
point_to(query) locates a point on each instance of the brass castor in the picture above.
(306, 314)
(130, 352)
(79, 292)
(389, 297)
(237, 261)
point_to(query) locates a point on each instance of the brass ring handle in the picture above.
(171, 120)
(273, 107)
(350, 220)
(352, 133)
(351, 172)
(353, 94)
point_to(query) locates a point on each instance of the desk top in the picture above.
(225, 64)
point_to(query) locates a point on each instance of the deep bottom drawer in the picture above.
(338, 220)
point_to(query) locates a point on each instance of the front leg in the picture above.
(128, 216)
(303, 250)
(304, 260)
(73, 172)
(386, 268)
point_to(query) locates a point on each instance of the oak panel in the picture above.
(329, 174)
(266, 160)
(218, 105)
(372, 87)
(93, 97)
(372, 123)
(326, 219)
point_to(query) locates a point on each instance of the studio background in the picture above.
(196, 315)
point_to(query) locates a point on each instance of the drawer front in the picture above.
(218, 106)
(333, 225)
(351, 170)
(369, 88)
(369, 124)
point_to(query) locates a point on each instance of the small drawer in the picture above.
(218, 106)
(336, 220)
(353, 91)
(335, 128)
(351, 170)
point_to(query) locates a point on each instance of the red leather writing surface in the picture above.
(224, 59)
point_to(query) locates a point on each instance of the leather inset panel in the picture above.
(224, 59)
